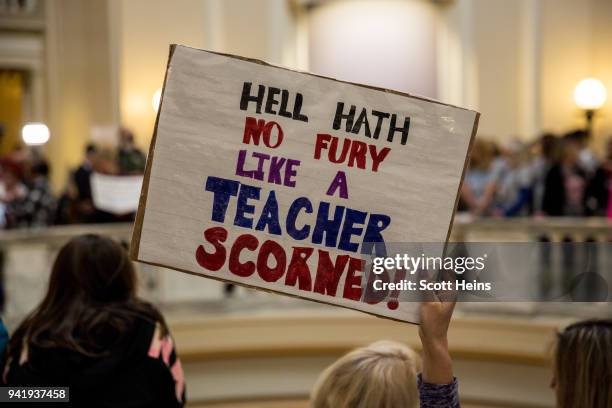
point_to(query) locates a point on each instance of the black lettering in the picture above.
(247, 97)
(350, 117)
(403, 130)
(381, 116)
(270, 101)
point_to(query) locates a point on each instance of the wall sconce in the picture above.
(590, 94)
(156, 99)
(35, 134)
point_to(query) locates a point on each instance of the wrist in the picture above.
(437, 363)
(433, 341)
(437, 345)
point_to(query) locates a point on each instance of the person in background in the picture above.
(93, 334)
(12, 190)
(37, 208)
(587, 160)
(599, 189)
(479, 186)
(384, 374)
(130, 160)
(82, 182)
(582, 365)
(546, 154)
(514, 184)
(565, 183)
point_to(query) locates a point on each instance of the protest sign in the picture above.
(117, 195)
(281, 180)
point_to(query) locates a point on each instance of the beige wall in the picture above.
(528, 57)
(566, 49)
(145, 29)
(79, 78)
(575, 44)
(497, 50)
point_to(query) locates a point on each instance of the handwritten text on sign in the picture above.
(284, 180)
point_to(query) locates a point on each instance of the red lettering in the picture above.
(352, 153)
(253, 129)
(268, 134)
(328, 273)
(212, 261)
(358, 154)
(246, 269)
(377, 158)
(320, 144)
(298, 269)
(267, 273)
(352, 283)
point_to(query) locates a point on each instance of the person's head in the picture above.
(40, 169)
(92, 290)
(126, 137)
(514, 151)
(383, 374)
(579, 136)
(12, 174)
(482, 154)
(90, 151)
(570, 151)
(582, 367)
(549, 146)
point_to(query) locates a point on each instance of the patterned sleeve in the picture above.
(162, 348)
(438, 395)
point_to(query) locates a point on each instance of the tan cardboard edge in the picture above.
(140, 213)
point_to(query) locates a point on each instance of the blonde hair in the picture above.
(583, 365)
(382, 375)
(482, 154)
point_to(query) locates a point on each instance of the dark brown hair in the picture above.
(92, 291)
(583, 365)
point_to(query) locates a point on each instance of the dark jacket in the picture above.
(140, 370)
(82, 181)
(554, 201)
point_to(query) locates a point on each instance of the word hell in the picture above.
(271, 97)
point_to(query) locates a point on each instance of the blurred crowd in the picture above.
(552, 176)
(28, 201)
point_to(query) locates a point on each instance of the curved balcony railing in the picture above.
(26, 256)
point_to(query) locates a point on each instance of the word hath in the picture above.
(353, 125)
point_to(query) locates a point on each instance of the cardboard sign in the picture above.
(281, 180)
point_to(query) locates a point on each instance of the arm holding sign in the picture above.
(437, 385)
